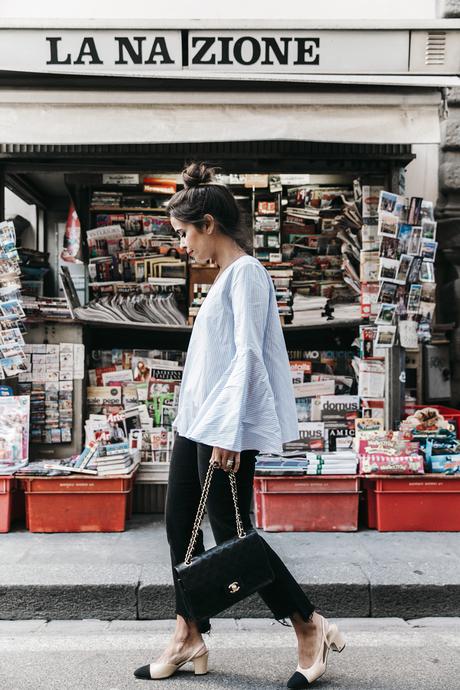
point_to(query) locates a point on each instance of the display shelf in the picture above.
(176, 281)
(126, 209)
(51, 319)
(153, 473)
(155, 327)
(266, 227)
(333, 324)
(320, 323)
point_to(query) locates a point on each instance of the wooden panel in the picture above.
(200, 274)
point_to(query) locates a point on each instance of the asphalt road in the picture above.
(381, 654)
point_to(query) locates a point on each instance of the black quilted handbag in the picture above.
(227, 573)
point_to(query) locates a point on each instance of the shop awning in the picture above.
(395, 115)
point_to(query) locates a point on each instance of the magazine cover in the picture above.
(312, 436)
(104, 399)
(304, 409)
(14, 430)
(338, 409)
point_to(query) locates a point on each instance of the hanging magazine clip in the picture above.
(328, 312)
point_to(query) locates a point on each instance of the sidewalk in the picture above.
(127, 575)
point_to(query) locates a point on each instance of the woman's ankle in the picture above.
(301, 624)
(187, 632)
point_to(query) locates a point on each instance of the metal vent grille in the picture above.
(435, 53)
(149, 498)
(220, 149)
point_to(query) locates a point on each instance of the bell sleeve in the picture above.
(239, 413)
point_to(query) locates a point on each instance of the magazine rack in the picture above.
(54, 332)
(378, 163)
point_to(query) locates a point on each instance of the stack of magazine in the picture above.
(141, 388)
(308, 309)
(158, 306)
(114, 459)
(324, 384)
(47, 307)
(321, 239)
(97, 458)
(343, 462)
(160, 309)
(281, 465)
(281, 274)
(297, 463)
(106, 199)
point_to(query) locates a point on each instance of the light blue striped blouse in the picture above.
(236, 391)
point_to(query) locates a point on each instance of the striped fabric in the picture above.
(236, 390)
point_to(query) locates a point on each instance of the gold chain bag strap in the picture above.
(229, 572)
(202, 505)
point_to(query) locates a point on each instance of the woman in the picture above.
(235, 400)
(141, 371)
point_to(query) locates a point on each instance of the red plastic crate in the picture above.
(6, 499)
(451, 414)
(307, 504)
(428, 503)
(76, 504)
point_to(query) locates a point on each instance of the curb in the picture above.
(155, 601)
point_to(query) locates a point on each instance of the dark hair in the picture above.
(202, 195)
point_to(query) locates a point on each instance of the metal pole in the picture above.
(395, 356)
(2, 195)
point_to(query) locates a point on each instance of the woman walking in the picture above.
(236, 400)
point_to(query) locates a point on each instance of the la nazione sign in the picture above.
(120, 52)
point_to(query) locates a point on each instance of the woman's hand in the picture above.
(227, 460)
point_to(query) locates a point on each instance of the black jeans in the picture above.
(189, 465)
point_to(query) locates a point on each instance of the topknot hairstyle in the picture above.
(204, 195)
(197, 174)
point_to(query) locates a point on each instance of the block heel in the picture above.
(157, 671)
(336, 639)
(331, 638)
(200, 664)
